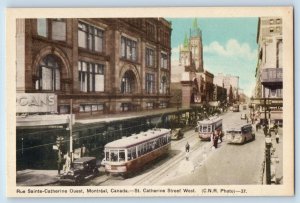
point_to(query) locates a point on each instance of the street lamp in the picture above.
(268, 142)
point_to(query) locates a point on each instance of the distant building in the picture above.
(230, 83)
(188, 74)
(270, 65)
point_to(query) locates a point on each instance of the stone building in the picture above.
(188, 74)
(269, 67)
(104, 65)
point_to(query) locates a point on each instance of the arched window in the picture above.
(49, 74)
(163, 85)
(128, 82)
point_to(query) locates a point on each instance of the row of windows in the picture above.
(91, 107)
(92, 38)
(119, 155)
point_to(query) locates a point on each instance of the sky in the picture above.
(229, 46)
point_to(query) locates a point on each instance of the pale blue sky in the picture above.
(229, 46)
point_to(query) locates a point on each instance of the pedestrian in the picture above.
(276, 134)
(59, 161)
(187, 147)
(67, 165)
(220, 135)
(215, 139)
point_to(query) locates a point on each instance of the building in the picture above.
(95, 69)
(191, 51)
(104, 66)
(188, 74)
(230, 83)
(269, 67)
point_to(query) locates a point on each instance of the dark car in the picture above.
(176, 134)
(82, 169)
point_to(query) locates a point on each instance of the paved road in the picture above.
(228, 164)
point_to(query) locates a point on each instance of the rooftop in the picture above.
(137, 138)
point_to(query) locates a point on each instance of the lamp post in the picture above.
(268, 143)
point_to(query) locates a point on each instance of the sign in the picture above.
(55, 147)
(36, 102)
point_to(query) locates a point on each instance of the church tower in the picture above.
(184, 52)
(195, 46)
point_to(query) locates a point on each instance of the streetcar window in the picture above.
(122, 155)
(204, 129)
(113, 155)
(133, 152)
(107, 156)
(129, 156)
(209, 128)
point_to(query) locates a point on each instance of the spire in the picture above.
(186, 41)
(195, 24)
(195, 29)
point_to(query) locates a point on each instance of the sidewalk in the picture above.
(30, 177)
(276, 160)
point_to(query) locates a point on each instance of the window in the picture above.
(90, 37)
(64, 109)
(49, 74)
(91, 77)
(125, 107)
(91, 107)
(128, 83)
(163, 61)
(150, 105)
(163, 85)
(149, 57)
(150, 30)
(128, 49)
(58, 29)
(42, 27)
(163, 105)
(54, 29)
(150, 85)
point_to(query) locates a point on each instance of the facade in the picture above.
(270, 65)
(196, 83)
(230, 83)
(104, 66)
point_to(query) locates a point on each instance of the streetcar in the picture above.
(240, 134)
(127, 155)
(207, 127)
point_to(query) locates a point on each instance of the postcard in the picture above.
(144, 102)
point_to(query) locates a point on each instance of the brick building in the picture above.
(104, 65)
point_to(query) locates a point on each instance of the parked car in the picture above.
(176, 134)
(240, 134)
(243, 116)
(82, 169)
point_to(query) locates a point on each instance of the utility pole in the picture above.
(71, 130)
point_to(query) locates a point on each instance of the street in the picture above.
(228, 164)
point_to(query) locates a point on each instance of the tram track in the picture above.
(156, 173)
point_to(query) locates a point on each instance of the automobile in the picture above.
(82, 169)
(240, 134)
(176, 134)
(243, 116)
